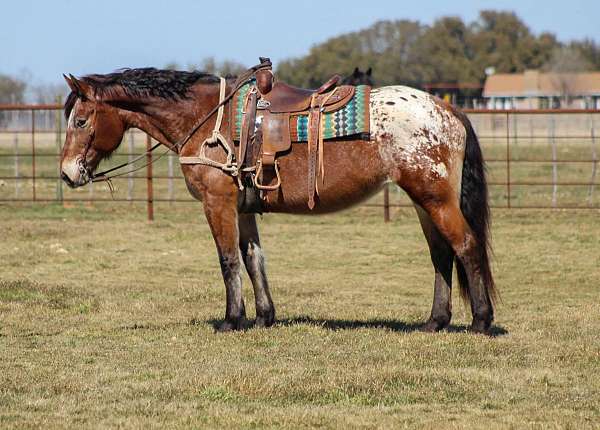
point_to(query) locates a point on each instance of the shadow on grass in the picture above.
(392, 325)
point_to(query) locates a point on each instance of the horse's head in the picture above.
(358, 77)
(94, 130)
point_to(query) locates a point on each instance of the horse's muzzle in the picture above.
(67, 180)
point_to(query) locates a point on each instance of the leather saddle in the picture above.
(266, 123)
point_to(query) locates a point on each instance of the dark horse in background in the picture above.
(358, 77)
(417, 141)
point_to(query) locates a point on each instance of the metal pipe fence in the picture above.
(535, 158)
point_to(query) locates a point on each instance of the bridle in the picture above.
(103, 176)
(82, 164)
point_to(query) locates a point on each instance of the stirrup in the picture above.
(266, 187)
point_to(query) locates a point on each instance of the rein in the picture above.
(102, 176)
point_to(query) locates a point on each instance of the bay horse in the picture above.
(419, 142)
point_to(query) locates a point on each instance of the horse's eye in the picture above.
(80, 122)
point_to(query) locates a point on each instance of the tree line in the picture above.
(449, 51)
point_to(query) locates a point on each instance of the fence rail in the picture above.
(536, 159)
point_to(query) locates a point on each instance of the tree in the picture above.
(12, 90)
(386, 46)
(48, 93)
(211, 65)
(410, 53)
(544, 47)
(221, 68)
(392, 53)
(407, 52)
(589, 50)
(443, 53)
(503, 41)
(172, 65)
(564, 66)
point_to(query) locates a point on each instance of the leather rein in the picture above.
(103, 176)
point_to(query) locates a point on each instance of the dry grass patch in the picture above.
(107, 320)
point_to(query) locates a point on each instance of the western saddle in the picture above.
(265, 131)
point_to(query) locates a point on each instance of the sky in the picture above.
(43, 39)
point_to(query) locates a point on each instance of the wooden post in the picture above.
(130, 175)
(17, 165)
(386, 203)
(149, 178)
(508, 160)
(554, 164)
(90, 201)
(58, 128)
(594, 167)
(170, 175)
(33, 154)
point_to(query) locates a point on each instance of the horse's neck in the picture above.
(168, 121)
(163, 120)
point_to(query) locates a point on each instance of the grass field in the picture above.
(107, 321)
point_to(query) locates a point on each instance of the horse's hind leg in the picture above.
(450, 222)
(255, 266)
(442, 257)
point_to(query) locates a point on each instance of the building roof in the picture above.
(453, 86)
(535, 83)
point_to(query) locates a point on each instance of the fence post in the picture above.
(508, 203)
(33, 154)
(170, 175)
(90, 201)
(594, 166)
(58, 127)
(386, 203)
(130, 174)
(554, 164)
(149, 178)
(17, 165)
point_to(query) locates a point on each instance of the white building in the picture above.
(537, 90)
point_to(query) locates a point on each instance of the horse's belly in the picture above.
(353, 173)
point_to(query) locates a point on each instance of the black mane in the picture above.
(143, 82)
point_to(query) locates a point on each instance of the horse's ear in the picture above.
(356, 72)
(82, 88)
(70, 84)
(369, 70)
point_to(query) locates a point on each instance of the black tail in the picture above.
(476, 210)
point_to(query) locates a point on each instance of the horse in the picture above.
(359, 77)
(417, 141)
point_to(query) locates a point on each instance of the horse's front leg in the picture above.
(220, 207)
(255, 266)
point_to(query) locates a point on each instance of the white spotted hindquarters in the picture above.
(417, 132)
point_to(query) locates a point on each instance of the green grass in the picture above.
(107, 320)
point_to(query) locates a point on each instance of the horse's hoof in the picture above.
(430, 327)
(434, 325)
(264, 321)
(481, 327)
(227, 326)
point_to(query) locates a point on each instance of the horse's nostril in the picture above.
(67, 180)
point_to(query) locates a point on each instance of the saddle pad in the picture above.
(349, 120)
(238, 105)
